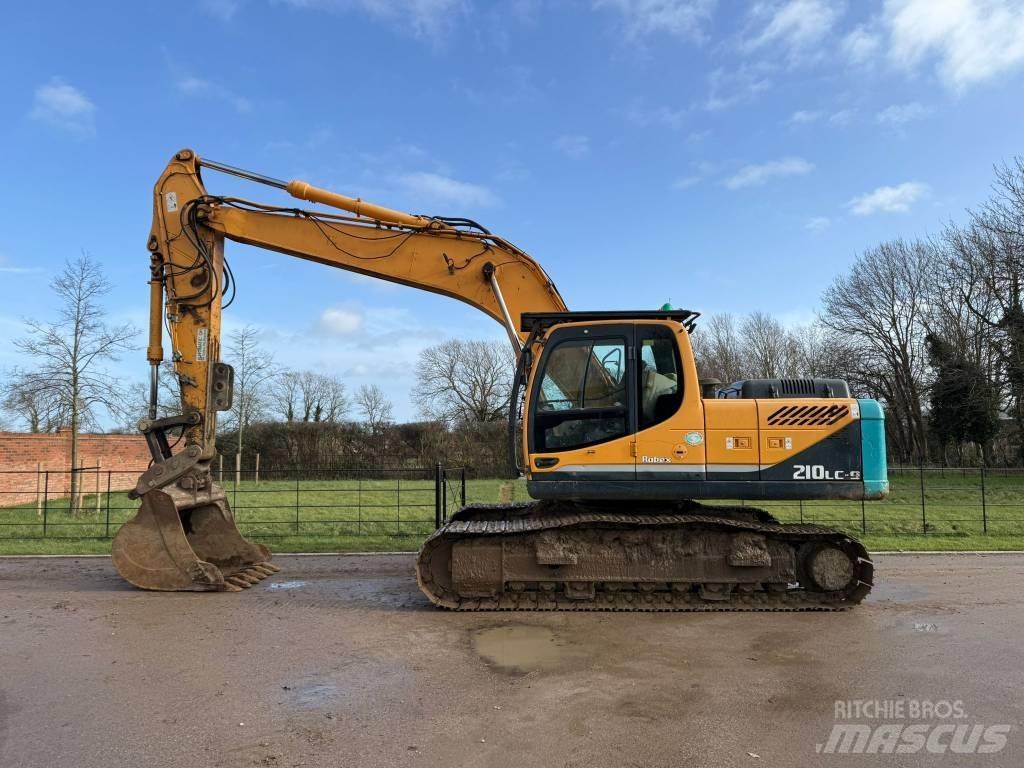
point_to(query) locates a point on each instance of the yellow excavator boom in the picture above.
(184, 536)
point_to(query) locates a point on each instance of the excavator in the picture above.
(619, 440)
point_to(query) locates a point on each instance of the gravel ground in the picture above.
(339, 661)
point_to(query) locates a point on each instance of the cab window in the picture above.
(582, 395)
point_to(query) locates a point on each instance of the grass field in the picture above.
(374, 515)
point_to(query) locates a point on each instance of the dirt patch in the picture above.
(341, 661)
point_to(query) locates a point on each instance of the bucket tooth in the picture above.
(174, 544)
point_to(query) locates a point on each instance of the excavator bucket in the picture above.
(174, 546)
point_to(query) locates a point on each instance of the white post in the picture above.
(238, 469)
(257, 467)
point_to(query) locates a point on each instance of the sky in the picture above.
(718, 155)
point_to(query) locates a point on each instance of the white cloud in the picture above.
(685, 182)
(435, 189)
(426, 18)
(340, 322)
(861, 45)
(7, 268)
(648, 116)
(224, 10)
(757, 175)
(900, 114)
(573, 145)
(728, 88)
(802, 116)
(970, 40)
(805, 116)
(896, 199)
(197, 86)
(818, 223)
(64, 106)
(842, 117)
(681, 18)
(795, 24)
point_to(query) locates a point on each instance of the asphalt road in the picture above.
(338, 661)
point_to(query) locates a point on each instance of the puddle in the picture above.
(315, 695)
(355, 685)
(519, 647)
(886, 590)
(288, 585)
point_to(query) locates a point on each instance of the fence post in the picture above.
(359, 503)
(863, 517)
(984, 507)
(108, 503)
(296, 501)
(220, 468)
(924, 513)
(398, 506)
(39, 489)
(46, 499)
(801, 510)
(80, 498)
(238, 470)
(463, 487)
(437, 496)
(257, 468)
(99, 496)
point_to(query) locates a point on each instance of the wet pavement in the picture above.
(339, 661)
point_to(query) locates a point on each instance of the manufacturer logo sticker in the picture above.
(693, 438)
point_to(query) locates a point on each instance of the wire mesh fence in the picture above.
(930, 501)
(324, 502)
(338, 502)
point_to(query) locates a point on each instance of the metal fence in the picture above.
(925, 501)
(324, 502)
(336, 503)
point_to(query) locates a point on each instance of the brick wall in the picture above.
(124, 457)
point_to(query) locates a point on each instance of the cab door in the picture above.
(670, 443)
(583, 418)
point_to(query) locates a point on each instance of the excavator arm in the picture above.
(184, 536)
(452, 257)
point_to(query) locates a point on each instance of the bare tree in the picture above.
(464, 382)
(168, 402)
(989, 263)
(718, 350)
(254, 370)
(822, 352)
(769, 351)
(309, 396)
(38, 411)
(374, 405)
(70, 353)
(879, 307)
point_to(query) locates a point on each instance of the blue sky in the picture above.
(725, 156)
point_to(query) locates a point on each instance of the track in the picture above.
(559, 556)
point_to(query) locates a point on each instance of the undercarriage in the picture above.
(682, 557)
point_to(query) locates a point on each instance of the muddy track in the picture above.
(597, 538)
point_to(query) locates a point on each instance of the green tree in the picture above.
(964, 404)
